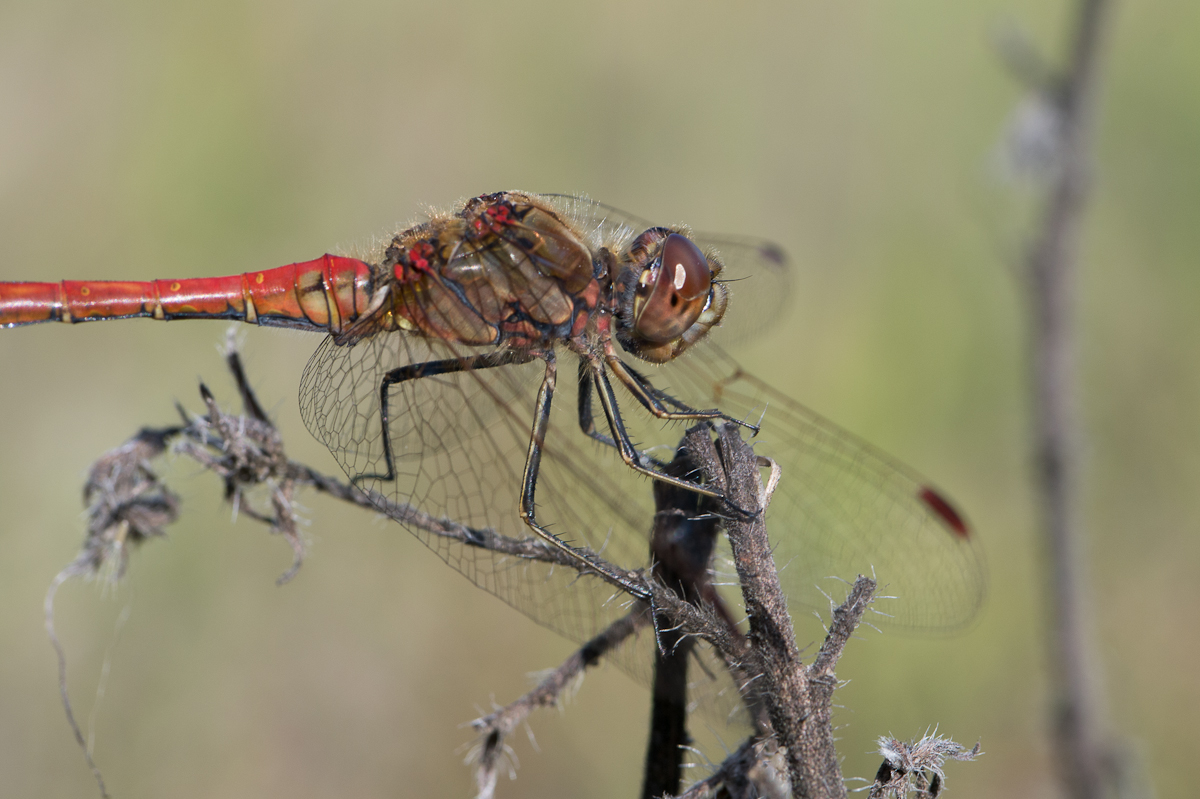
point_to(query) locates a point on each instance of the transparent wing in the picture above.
(758, 278)
(601, 224)
(459, 443)
(843, 507)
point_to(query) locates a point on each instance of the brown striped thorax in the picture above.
(513, 268)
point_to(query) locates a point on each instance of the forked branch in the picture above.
(792, 749)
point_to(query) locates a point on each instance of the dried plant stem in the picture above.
(797, 700)
(495, 728)
(792, 748)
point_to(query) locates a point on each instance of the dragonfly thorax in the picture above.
(505, 269)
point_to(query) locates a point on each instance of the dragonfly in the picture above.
(436, 387)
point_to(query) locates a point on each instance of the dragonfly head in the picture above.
(666, 295)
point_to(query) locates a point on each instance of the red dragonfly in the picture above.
(437, 388)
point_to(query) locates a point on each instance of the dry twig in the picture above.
(791, 751)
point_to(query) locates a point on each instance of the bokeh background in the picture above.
(143, 140)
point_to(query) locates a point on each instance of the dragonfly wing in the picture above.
(843, 507)
(757, 275)
(600, 224)
(459, 443)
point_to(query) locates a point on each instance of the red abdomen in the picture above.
(325, 294)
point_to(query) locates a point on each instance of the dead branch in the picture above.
(246, 451)
(801, 721)
(129, 505)
(496, 727)
(792, 750)
(755, 769)
(795, 701)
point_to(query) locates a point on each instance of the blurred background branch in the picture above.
(1086, 756)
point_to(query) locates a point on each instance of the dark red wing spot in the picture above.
(942, 507)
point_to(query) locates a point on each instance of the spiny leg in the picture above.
(587, 419)
(633, 458)
(656, 400)
(415, 371)
(652, 399)
(533, 462)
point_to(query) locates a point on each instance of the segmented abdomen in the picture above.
(326, 294)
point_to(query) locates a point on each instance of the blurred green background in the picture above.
(142, 140)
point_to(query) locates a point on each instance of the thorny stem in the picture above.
(803, 728)
(797, 699)
(793, 703)
(495, 728)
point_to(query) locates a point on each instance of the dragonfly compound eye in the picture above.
(672, 293)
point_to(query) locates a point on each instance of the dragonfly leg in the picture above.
(657, 401)
(533, 462)
(636, 460)
(415, 371)
(587, 419)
